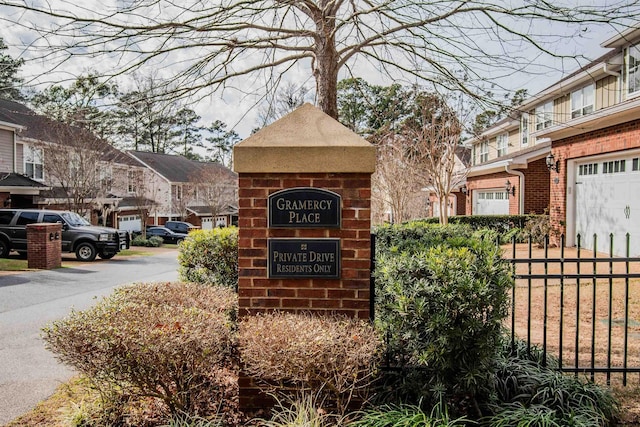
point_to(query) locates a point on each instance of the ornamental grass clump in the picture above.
(333, 358)
(172, 342)
(210, 257)
(528, 393)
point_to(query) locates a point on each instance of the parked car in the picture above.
(167, 235)
(78, 235)
(180, 226)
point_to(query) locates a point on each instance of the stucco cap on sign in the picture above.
(306, 140)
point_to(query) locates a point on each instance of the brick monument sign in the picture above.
(304, 219)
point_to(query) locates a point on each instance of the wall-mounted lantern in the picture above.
(552, 163)
(511, 189)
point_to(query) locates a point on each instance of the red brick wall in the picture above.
(461, 207)
(615, 138)
(536, 197)
(44, 250)
(536, 188)
(348, 295)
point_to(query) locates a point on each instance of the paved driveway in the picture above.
(30, 373)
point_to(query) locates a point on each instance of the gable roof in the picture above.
(176, 168)
(31, 125)
(16, 180)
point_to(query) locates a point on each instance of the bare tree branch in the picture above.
(202, 46)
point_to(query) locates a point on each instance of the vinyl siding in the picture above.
(561, 109)
(6, 151)
(606, 92)
(19, 158)
(513, 144)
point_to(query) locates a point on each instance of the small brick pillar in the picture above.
(44, 246)
(288, 174)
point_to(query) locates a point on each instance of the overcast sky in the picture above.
(238, 108)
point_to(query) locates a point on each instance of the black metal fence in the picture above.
(579, 305)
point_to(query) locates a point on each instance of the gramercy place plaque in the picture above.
(304, 258)
(304, 207)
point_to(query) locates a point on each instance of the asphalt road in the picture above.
(28, 372)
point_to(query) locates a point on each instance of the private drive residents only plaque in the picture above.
(304, 258)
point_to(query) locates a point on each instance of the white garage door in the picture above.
(207, 223)
(608, 202)
(130, 223)
(491, 202)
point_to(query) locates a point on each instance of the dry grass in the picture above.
(54, 411)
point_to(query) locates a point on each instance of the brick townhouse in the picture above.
(572, 149)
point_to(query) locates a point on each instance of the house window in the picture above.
(616, 166)
(103, 175)
(635, 165)
(33, 165)
(132, 182)
(633, 69)
(501, 144)
(582, 101)
(588, 169)
(177, 192)
(524, 129)
(544, 116)
(484, 151)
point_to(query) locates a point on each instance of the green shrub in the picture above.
(441, 305)
(210, 257)
(334, 358)
(498, 223)
(151, 242)
(171, 342)
(418, 236)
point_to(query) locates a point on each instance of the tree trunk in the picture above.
(325, 67)
(444, 208)
(326, 88)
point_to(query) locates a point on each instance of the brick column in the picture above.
(304, 151)
(44, 246)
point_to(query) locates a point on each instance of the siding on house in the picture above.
(19, 158)
(6, 151)
(607, 92)
(562, 109)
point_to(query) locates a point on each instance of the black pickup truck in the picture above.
(78, 235)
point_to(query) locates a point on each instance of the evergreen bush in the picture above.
(441, 298)
(501, 224)
(151, 242)
(210, 257)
